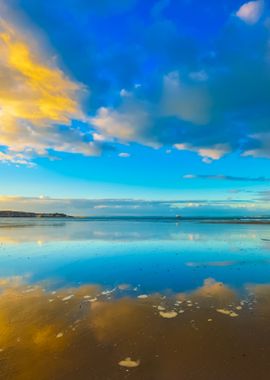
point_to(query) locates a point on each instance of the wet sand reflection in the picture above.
(94, 333)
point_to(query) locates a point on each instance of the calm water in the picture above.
(134, 300)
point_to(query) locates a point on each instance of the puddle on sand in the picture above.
(124, 337)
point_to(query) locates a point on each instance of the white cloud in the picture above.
(189, 176)
(125, 93)
(124, 155)
(123, 125)
(207, 160)
(251, 12)
(15, 158)
(214, 153)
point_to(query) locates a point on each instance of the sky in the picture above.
(133, 107)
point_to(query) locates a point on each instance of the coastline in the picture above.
(164, 219)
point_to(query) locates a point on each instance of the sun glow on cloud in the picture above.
(35, 98)
(49, 95)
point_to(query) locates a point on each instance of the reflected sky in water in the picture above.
(156, 256)
(90, 332)
(133, 300)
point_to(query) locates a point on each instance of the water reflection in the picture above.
(90, 332)
(157, 256)
(117, 300)
(19, 230)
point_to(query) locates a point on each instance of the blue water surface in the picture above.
(151, 255)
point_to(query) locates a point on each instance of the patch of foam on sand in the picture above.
(67, 298)
(168, 314)
(227, 312)
(129, 363)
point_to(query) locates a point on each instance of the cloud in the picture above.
(187, 102)
(215, 110)
(15, 158)
(262, 148)
(264, 195)
(122, 125)
(207, 94)
(251, 12)
(221, 177)
(211, 102)
(115, 322)
(38, 102)
(136, 207)
(209, 154)
(124, 155)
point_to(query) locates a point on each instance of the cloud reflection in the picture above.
(61, 334)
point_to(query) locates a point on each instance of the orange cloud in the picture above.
(35, 98)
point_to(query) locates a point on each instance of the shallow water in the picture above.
(133, 300)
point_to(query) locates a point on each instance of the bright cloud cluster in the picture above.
(164, 87)
(35, 99)
(218, 108)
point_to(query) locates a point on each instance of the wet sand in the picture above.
(94, 333)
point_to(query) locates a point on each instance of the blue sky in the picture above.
(135, 107)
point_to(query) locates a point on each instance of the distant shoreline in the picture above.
(255, 221)
(175, 219)
(22, 214)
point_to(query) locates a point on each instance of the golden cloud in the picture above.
(35, 98)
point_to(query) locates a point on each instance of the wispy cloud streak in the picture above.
(221, 177)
